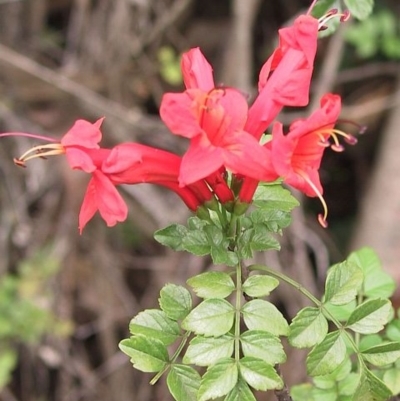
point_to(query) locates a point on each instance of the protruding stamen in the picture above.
(334, 134)
(345, 16)
(351, 140)
(50, 149)
(337, 147)
(333, 13)
(322, 221)
(322, 217)
(19, 163)
(361, 128)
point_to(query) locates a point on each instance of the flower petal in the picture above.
(196, 70)
(199, 162)
(177, 112)
(248, 158)
(102, 195)
(84, 134)
(78, 159)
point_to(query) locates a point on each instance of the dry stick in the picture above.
(327, 76)
(163, 23)
(241, 59)
(97, 102)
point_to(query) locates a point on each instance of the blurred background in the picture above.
(65, 299)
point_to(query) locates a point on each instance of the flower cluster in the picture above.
(227, 156)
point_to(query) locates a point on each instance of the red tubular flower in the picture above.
(213, 119)
(297, 156)
(127, 163)
(284, 79)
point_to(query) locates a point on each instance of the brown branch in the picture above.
(162, 24)
(95, 102)
(283, 394)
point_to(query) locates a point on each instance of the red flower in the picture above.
(297, 156)
(284, 79)
(128, 163)
(213, 119)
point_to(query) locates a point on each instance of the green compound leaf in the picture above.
(241, 392)
(212, 285)
(339, 312)
(393, 330)
(360, 9)
(377, 283)
(342, 283)
(322, 7)
(175, 301)
(183, 383)
(347, 387)
(371, 388)
(196, 242)
(147, 354)
(219, 380)
(263, 345)
(212, 317)
(370, 316)
(273, 220)
(262, 240)
(262, 315)
(274, 197)
(391, 378)
(222, 256)
(302, 392)
(259, 285)
(259, 374)
(324, 394)
(8, 361)
(308, 328)
(383, 354)
(156, 324)
(172, 236)
(326, 356)
(205, 351)
(335, 377)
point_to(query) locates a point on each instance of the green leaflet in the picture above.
(262, 315)
(212, 285)
(264, 345)
(342, 283)
(360, 9)
(183, 383)
(371, 388)
(259, 374)
(326, 356)
(259, 285)
(147, 354)
(155, 324)
(219, 380)
(175, 301)
(205, 351)
(370, 316)
(308, 328)
(382, 354)
(212, 317)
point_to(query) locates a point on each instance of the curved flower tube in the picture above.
(297, 155)
(128, 163)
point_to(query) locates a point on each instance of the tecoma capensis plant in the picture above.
(226, 343)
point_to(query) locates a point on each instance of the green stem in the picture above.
(173, 358)
(239, 294)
